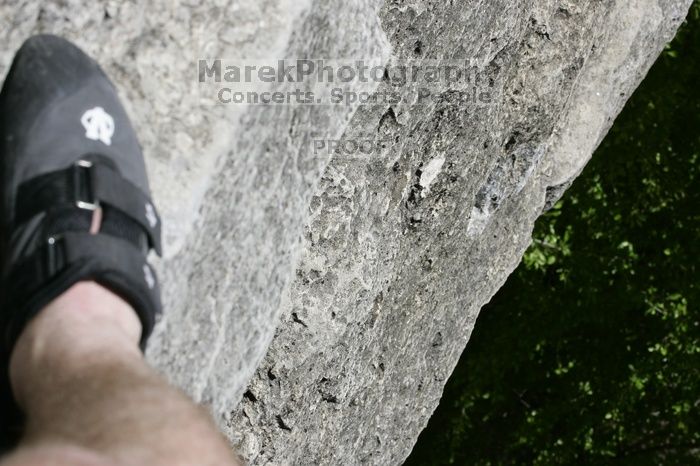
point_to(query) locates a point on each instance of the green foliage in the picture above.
(591, 352)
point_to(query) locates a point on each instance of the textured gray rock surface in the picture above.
(393, 275)
(377, 265)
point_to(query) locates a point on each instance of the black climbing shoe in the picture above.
(75, 198)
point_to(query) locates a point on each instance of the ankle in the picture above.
(85, 325)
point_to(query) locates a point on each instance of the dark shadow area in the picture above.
(590, 354)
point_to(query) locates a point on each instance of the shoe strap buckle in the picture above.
(84, 185)
(54, 254)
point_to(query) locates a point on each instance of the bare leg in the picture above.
(90, 397)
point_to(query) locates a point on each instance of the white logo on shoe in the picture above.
(148, 276)
(151, 215)
(99, 125)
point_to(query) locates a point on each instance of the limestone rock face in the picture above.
(402, 248)
(361, 272)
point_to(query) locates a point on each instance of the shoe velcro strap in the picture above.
(88, 184)
(72, 257)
